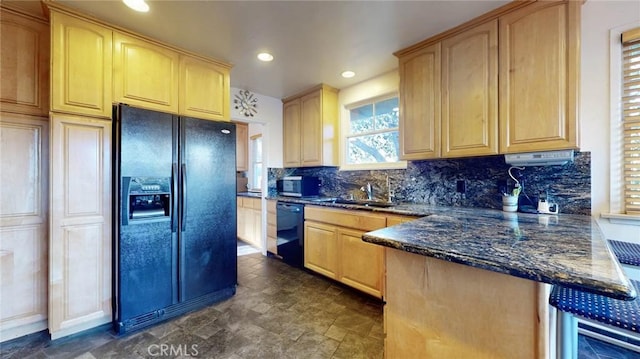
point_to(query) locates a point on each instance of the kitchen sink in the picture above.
(364, 202)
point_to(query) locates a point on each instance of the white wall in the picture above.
(270, 116)
(598, 18)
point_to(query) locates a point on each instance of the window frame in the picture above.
(346, 134)
(616, 188)
(253, 160)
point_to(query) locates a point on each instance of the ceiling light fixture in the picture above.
(265, 56)
(348, 74)
(137, 5)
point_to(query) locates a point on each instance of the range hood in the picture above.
(548, 158)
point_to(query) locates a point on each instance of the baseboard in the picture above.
(22, 330)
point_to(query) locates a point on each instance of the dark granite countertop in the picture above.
(565, 249)
(406, 209)
(250, 194)
(557, 249)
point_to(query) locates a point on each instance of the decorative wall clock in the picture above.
(246, 103)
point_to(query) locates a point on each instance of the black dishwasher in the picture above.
(290, 232)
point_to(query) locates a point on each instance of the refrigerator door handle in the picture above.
(184, 196)
(174, 193)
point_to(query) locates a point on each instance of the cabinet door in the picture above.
(361, 263)
(81, 66)
(470, 92)
(257, 227)
(311, 129)
(80, 229)
(145, 74)
(242, 147)
(242, 219)
(321, 249)
(204, 89)
(272, 221)
(24, 64)
(23, 225)
(291, 133)
(539, 69)
(420, 104)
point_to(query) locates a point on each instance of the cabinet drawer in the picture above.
(345, 218)
(253, 203)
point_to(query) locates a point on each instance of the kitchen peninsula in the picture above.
(465, 282)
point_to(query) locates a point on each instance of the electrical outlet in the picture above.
(461, 186)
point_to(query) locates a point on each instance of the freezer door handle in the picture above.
(184, 196)
(174, 193)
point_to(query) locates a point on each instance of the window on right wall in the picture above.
(630, 110)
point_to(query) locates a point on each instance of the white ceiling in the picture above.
(312, 41)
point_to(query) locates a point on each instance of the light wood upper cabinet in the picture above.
(311, 129)
(539, 77)
(81, 66)
(23, 224)
(24, 64)
(204, 89)
(310, 125)
(291, 135)
(145, 74)
(80, 225)
(420, 104)
(504, 82)
(242, 146)
(470, 92)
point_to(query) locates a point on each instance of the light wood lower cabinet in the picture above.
(80, 230)
(321, 248)
(250, 220)
(439, 309)
(24, 196)
(333, 247)
(272, 227)
(362, 263)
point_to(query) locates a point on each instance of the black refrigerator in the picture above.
(175, 220)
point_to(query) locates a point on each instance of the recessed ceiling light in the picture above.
(265, 56)
(137, 5)
(348, 74)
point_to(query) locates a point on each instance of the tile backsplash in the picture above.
(435, 182)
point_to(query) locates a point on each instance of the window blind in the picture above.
(631, 118)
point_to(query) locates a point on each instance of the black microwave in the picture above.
(299, 186)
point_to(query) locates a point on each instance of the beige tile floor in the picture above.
(278, 312)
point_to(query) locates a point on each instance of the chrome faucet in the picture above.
(367, 189)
